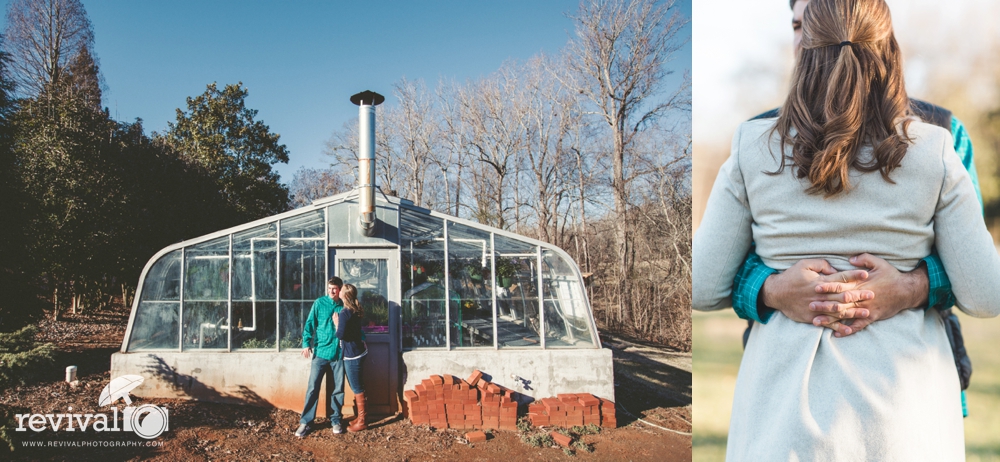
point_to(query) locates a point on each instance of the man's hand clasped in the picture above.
(812, 291)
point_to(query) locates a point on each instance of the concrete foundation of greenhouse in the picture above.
(533, 373)
(278, 380)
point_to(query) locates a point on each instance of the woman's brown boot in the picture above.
(358, 423)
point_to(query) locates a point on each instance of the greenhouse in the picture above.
(220, 317)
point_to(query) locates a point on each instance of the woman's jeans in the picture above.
(353, 368)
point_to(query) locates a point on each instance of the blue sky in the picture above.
(301, 60)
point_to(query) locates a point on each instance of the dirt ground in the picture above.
(651, 383)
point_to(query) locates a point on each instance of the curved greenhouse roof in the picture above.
(433, 282)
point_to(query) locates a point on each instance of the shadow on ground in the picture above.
(645, 380)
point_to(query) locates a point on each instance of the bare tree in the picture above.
(406, 139)
(590, 149)
(416, 135)
(618, 61)
(455, 134)
(310, 184)
(551, 115)
(43, 36)
(488, 110)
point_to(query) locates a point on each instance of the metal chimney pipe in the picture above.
(366, 101)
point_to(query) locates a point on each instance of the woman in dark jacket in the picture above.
(352, 342)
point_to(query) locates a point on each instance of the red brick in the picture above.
(561, 439)
(474, 378)
(493, 388)
(475, 437)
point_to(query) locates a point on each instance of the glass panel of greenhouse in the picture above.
(518, 322)
(422, 280)
(255, 294)
(461, 285)
(156, 320)
(567, 315)
(303, 271)
(470, 263)
(205, 306)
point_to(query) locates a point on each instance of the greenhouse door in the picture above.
(375, 272)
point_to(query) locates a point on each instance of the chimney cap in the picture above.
(367, 97)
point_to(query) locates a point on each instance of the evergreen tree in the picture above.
(69, 168)
(19, 304)
(219, 134)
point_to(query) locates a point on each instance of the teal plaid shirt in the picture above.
(750, 278)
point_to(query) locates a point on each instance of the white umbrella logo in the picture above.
(148, 420)
(119, 388)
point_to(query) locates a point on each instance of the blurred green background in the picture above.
(717, 353)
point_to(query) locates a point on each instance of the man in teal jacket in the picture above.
(319, 342)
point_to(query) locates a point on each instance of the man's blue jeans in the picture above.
(319, 370)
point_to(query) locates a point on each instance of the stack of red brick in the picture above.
(567, 410)
(449, 402)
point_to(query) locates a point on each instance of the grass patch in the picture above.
(983, 396)
(538, 440)
(589, 429)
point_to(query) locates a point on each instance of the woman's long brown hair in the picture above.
(847, 92)
(349, 295)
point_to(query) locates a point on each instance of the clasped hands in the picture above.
(812, 291)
